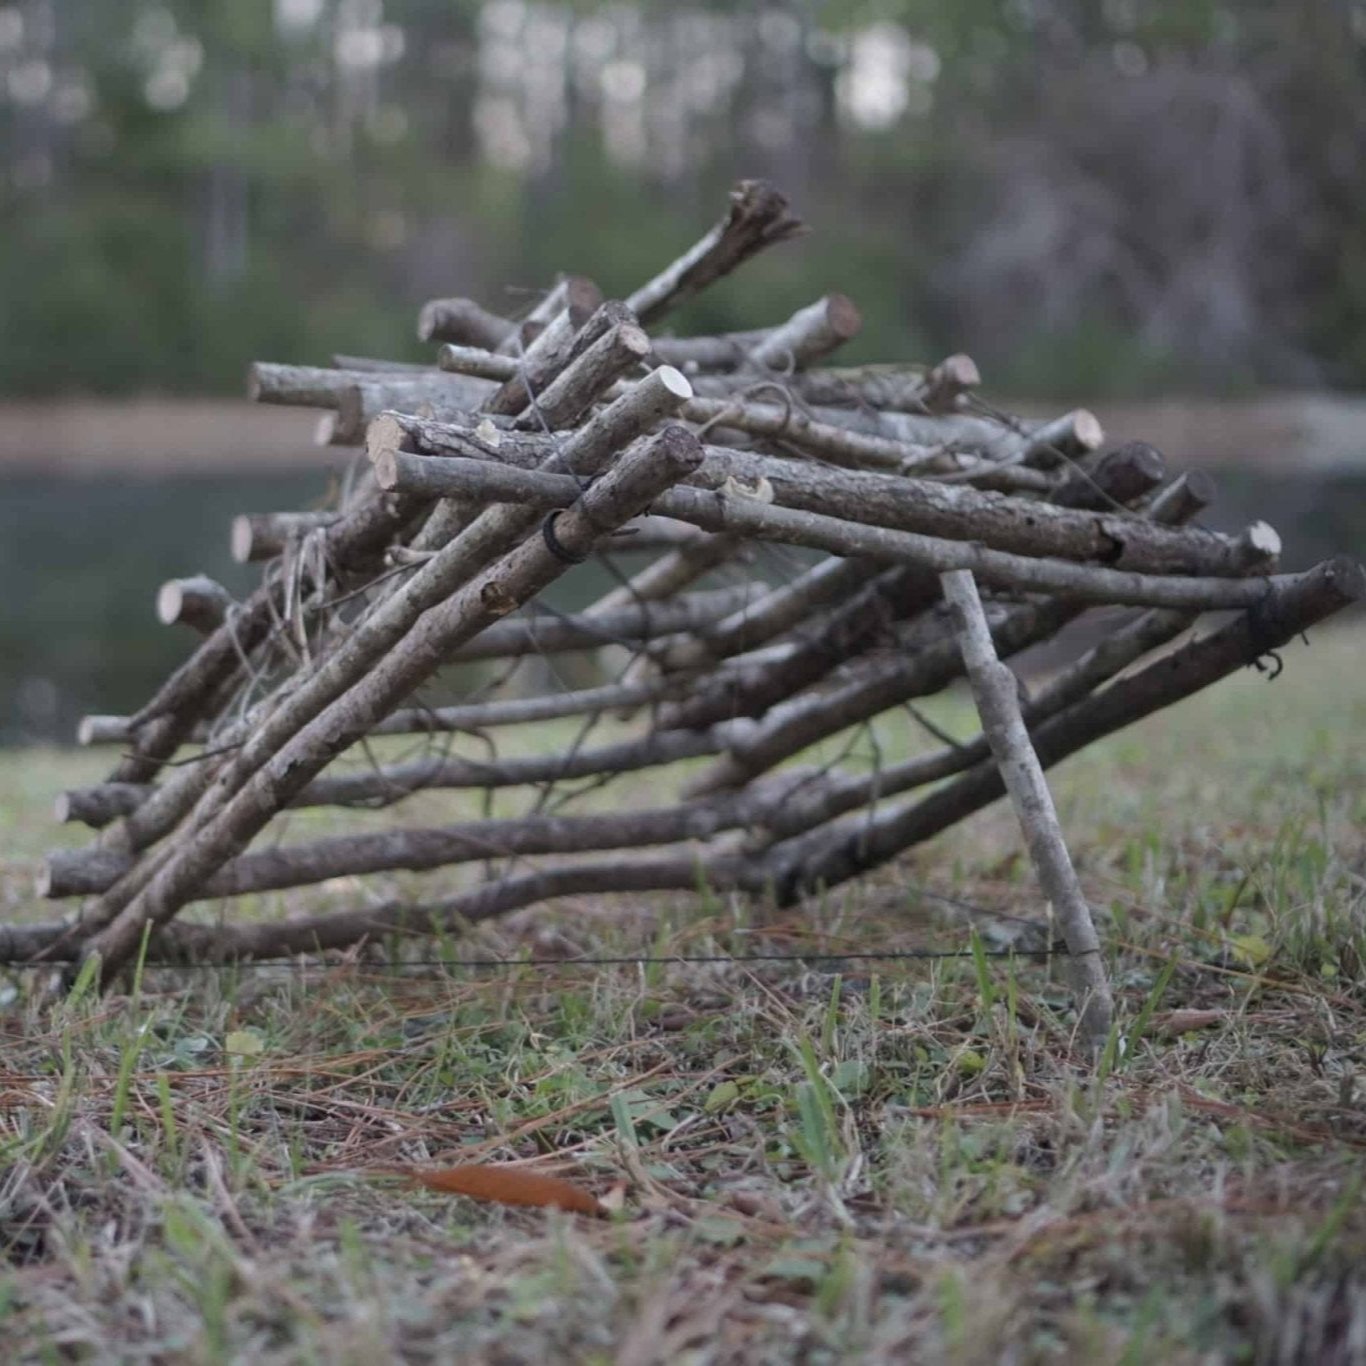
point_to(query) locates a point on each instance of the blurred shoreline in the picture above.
(1302, 433)
(101, 501)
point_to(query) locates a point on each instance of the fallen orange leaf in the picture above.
(505, 1186)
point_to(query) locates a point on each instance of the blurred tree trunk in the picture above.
(225, 221)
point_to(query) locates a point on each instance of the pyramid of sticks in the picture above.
(791, 551)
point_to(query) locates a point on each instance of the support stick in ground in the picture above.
(996, 693)
(833, 854)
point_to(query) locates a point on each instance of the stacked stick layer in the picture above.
(774, 528)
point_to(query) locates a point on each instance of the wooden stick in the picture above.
(796, 427)
(670, 869)
(462, 321)
(585, 451)
(674, 869)
(653, 533)
(995, 691)
(823, 858)
(814, 802)
(1122, 476)
(359, 404)
(810, 334)
(390, 783)
(930, 665)
(612, 500)
(201, 603)
(379, 365)
(85, 872)
(576, 295)
(97, 806)
(513, 711)
(725, 351)
(104, 802)
(263, 535)
(1114, 538)
(1045, 444)
(1187, 495)
(312, 386)
(898, 388)
(481, 362)
(824, 583)
(631, 623)
(758, 217)
(1117, 539)
(550, 354)
(104, 730)
(833, 854)
(587, 377)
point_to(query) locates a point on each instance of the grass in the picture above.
(836, 1161)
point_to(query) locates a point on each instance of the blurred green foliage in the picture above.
(1091, 198)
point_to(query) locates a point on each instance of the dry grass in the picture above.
(830, 1162)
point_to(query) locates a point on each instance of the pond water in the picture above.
(81, 561)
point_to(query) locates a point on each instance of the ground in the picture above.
(833, 1161)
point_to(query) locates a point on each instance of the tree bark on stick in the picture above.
(810, 334)
(618, 496)
(758, 217)
(383, 786)
(201, 603)
(82, 872)
(995, 691)
(463, 322)
(97, 806)
(632, 623)
(1113, 537)
(749, 517)
(822, 858)
(815, 802)
(778, 611)
(101, 803)
(263, 535)
(902, 388)
(830, 855)
(312, 386)
(585, 451)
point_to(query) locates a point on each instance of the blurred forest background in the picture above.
(1115, 196)
(1097, 199)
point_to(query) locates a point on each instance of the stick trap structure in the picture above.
(793, 550)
